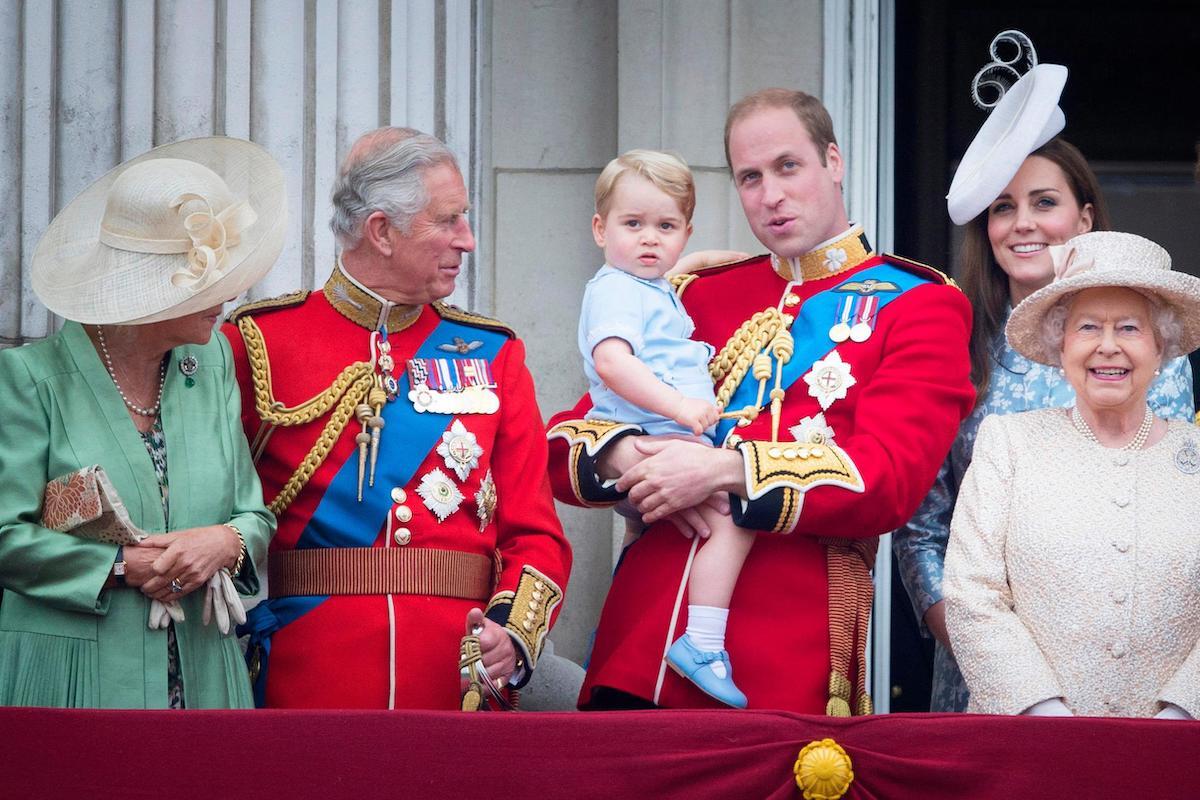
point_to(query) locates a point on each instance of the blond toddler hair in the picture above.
(667, 171)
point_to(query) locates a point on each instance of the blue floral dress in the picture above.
(156, 446)
(1017, 384)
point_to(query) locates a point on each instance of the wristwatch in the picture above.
(118, 570)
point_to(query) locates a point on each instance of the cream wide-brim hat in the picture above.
(176, 230)
(1103, 259)
(1026, 117)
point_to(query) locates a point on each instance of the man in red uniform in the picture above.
(845, 376)
(399, 442)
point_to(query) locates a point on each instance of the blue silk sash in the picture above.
(810, 332)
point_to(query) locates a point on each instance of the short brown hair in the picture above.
(667, 171)
(808, 109)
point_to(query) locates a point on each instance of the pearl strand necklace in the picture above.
(1136, 443)
(132, 406)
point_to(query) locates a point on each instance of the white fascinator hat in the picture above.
(179, 229)
(1023, 118)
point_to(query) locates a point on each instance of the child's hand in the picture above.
(696, 414)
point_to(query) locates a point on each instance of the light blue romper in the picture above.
(648, 315)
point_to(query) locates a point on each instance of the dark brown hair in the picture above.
(981, 278)
(807, 108)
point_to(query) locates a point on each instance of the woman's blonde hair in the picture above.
(667, 171)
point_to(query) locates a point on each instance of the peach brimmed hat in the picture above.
(1102, 259)
(179, 229)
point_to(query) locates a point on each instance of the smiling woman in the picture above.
(1070, 576)
(1017, 199)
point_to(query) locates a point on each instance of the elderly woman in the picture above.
(135, 383)
(1071, 576)
(1016, 197)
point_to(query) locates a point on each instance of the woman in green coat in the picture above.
(136, 383)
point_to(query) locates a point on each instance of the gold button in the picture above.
(527, 625)
(399, 495)
(533, 604)
(818, 452)
(774, 452)
(791, 300)
(804, 452)
(789, 454)
(530, 615)
(404, 513)
(402, 536)
(539, 585)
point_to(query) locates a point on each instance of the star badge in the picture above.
(812, 430)
(829, 379)
(460, 449)
(485, 501)
(439, 493)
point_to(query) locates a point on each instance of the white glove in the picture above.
(162, 613)
(221, 601)
(1172, 711)
(1054, 707)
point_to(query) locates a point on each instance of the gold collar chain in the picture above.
(829, 258)
(363, 307)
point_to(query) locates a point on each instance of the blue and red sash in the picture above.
(810, 331)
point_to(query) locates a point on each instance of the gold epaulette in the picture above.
(933, 273)
(269, 304)
(456, 314)
(681, 281)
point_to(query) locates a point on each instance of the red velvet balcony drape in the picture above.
(651, 754)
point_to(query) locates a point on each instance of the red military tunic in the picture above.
(372, 648)
(892, 425)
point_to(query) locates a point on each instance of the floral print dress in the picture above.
(1017, 384)
(156, 446)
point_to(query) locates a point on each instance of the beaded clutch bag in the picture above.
(85, 503)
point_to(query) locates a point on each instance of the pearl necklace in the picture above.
(132, 406)
(1136, 443)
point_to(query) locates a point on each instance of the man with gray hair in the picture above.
(400, 445)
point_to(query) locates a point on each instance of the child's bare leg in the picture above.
(699, 654)
(718, 561)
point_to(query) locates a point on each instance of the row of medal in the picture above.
(452, 386)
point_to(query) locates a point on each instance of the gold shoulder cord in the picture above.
(744, 353)
(347, 391)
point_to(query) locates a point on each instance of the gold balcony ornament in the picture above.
(823, 770)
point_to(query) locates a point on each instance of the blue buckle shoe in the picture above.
(696, 665)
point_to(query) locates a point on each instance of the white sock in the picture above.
(706, 629)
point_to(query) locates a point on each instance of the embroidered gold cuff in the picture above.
(530, 609)
(795, 465)
(592, 434)
(586, 438)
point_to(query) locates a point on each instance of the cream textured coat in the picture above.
(1073, 570)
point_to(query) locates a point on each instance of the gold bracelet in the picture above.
(241, 559)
